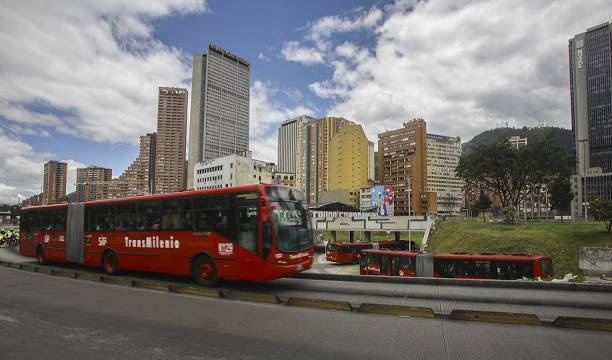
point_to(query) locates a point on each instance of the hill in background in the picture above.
(563, 137)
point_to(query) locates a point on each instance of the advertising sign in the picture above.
(383, 198)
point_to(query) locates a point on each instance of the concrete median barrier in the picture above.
(192, 290)
(397, 310)
(320, 304)
(583, 323)
(117, 280)
(496, 317)
(153, 285)
(246, 296)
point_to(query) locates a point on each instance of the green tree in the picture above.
(483, 204)
(602, 211)
(514, 173)
(561, 195)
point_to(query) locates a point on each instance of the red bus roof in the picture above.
(43, 207)
(489, 257)
(357, 243)
(179, 194)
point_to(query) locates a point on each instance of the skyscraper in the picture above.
(313, 139)
(171, 133)
(590, 59)
(54, 182)
(348, 161)
(443, 154)
(139, 176)
(219, 107)
(403, 165)
(93, 183)
(287, 143)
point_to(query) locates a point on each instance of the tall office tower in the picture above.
(171, 133)
(328, 128)
(348, 161)
(403, 166)
(371, 174)
(54, 182)
(139, 177)
(443, 154)
(93, 183)
(219, 107)
(311, 156)
(306, 170)
(287, 143)
(590, 59)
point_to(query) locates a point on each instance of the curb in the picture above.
(320, 304)
(244, 296)
(508, 284)
(496, 317)
(583, 323)
(397, 310)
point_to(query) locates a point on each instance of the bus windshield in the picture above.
(290, 217)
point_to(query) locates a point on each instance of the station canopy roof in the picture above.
(333, 206)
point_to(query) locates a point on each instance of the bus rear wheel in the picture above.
(110, 263)
(204, 271)
(40, 256)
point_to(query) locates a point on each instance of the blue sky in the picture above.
(80, 82)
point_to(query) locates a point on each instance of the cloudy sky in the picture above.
(79, 81)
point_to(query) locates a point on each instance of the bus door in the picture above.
(385, 265)
(27, 245)
(247, 226)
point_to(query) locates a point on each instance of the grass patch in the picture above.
(561, 241)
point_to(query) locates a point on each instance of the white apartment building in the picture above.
(443, 154)
(232, 170)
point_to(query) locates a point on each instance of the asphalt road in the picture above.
(547, 304)
(44, 317)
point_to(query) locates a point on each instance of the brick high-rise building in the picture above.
(139, 176)
(54, 182)
(93, 183)
(402, 155)
(171, 134)
(220, 96)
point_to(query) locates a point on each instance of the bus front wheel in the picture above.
(204, 271)
(110, 263)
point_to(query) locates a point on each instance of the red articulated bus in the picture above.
(462, 266)
(348, 253)
(255, 232)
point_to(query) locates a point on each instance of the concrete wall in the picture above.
(595, 260)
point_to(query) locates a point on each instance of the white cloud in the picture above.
(294, 51)
(21, 169)
(90, 69)
(266, 115)
(326, 26)
(462, 66)
(261, 56)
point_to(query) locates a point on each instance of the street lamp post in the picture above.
(584, 178)
(409, 227)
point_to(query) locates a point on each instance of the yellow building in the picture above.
(348, 160)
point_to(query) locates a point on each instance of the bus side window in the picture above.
(149, 217)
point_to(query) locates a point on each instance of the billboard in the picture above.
(383, 199)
